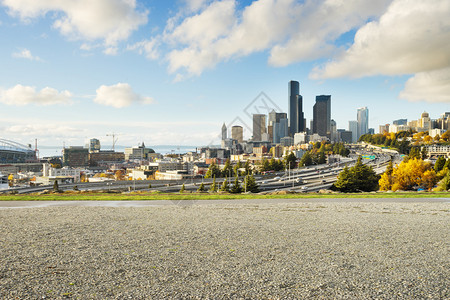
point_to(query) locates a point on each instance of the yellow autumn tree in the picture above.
(414, 173)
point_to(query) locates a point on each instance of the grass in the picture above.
(206, 196)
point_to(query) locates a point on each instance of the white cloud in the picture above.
(119, 95)
(23, 95)
(25, 53)
(109, 20)
(147, 47)
(292, 30)
(412, 36)
(431, 86)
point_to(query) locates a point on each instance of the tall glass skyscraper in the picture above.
(296, 115)
(322, 116)
(363, 121)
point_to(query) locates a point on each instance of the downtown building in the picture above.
(322, 116)
(296, 120)
(363, 122)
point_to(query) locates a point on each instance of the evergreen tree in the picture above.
(213, 170)
(444, 185)
(414, 153)
(227, 169)
(182, 189)
(439, 165)
(225, 186)
(201, 188)
(290, 160)
(306, 159)
(359, 178)
(424, 153)
(447, 163)
(250, 184)
(213, 187)
(248, 169)
(322, 158)
(236, 188)
(56, 186)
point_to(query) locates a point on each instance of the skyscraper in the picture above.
(259, 126)
(237, 133)
(296, 116)
(363, 121)
(279, 124)
(353, 127)
(224, 132)
(322, 116)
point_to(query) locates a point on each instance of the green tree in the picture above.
(236, 188)
(306, 159)
(213, 170)
(444, 185)
(250, 184)
(227, 169)
(182, 189)
(439, 165)
(201, 188)
(225, 186)
(447, 163)
(414, 153)
(359, 178)
(213, 187)
(248, 168)
(56, 186)
(290, 161)
(322, 158)
(424, 153)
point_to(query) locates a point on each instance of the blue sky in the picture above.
(172, 72)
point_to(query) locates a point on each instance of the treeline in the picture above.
(228, 170)
(386, 140)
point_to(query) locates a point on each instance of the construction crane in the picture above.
(114, 137)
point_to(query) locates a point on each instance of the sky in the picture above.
(172, 72)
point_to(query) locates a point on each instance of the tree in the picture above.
(227, 169)
(424, 152)
(359, 178)
(385, 181)
(411, 174)
(213, 170)
(439, 165)
(306, 159)
(250, 184)
(225, 186)
(248, 168)
(182, 189)
(213, 187)
(414, 153)
(290, 160)
(447, 164)
(444, 184)
(322, 158)
(56, 186)
(236, 188)
(201, 188)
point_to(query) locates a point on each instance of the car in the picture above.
(304, 188)
(277, 178)
(323, 181)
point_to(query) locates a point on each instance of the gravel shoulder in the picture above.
(317, 250)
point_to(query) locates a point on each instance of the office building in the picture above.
(259, 127)
(353, 127)
(400, 122)
(75, 156)
(94, 145)
(224, 132)
(237, 133)
(278, 123)
(334, 136)
(322, 116)
(139, 152)
(296, 116)
(384, 128)
(363, 121)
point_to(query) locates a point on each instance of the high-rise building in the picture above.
(94, 145)
(363, 121)
(334, 136)
(237, 133)
(400, 122)
(296, 115)
(353, 127)
(259, 126)
(224, 132)
(278, 123)
(384, 128)
(322, 116)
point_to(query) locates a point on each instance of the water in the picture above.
(45, 151)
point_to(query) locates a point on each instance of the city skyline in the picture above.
(174, 72)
